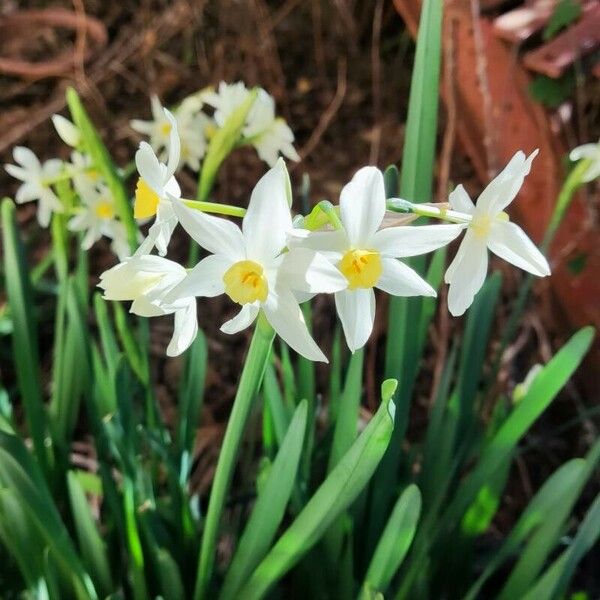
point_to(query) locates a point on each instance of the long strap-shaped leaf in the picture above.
(25, 345)
(334, 495)
(269, 508)
(102, 161)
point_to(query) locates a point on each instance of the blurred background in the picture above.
(515, 76)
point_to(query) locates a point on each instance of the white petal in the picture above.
(327, 242)
(26, 158)
(305, 270)
(466, 273)
(362, 206)
(184, 331)
(399, 279)
(501, 191)
(217, 235)
(268, 219)
(66, 130)
(283, 313)
(143, 307)
(592, 172)
(511, 243)
(356, 310)
(242, 320)
(18, 172)
(414, 240)
(174, 146)
(27, 192)
(584, 151)
(205, 279)
(460, 200)
(148, 167)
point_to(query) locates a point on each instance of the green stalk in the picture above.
(216, 208)
(250, 381)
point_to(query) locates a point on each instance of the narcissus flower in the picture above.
(251, 265)
(490, 228)
(591, 152)
(97, 217)
(157, 189)
(367, 256)
(37, 179)
(146, 280)
(269, 134)
(192, 125)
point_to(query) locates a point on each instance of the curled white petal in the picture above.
(362, 206)
(283, 313)
(460, 200)
(205, 279)
(501, 191)
(510, 242)
(217, 235)
(305, 270)
(466, 273)
(399, 279)
(414, 240)
(268, 219)
(242, 320)
(185, 329)
(66, 130)
(356, 309)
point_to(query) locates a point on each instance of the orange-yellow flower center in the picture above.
(245, 282)
(105, 210)
(146, 201)
(165, 128)
(362, 268)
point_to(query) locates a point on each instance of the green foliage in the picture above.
(552, 92)
(345, 505)
(565, 12)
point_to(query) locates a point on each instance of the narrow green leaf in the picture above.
(93, 550)
(335, 494)
(24, 338)
(554, 582)
(270, 507)
(543, 390)
(19, 473)
(221, 144)
(395, 541)
(93, 145)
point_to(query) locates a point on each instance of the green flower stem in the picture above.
(428, 210)
(216, 208)
(250, 381)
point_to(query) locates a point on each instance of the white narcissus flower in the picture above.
(368, 256)
(85, 176)
(490, 228)
(192, 126)
(97, 216)
(251, 265)
(35, 177)
(158, 129)
(591, 152)
(146, 280)
(157, 189)
(269, 134)
(67, 131)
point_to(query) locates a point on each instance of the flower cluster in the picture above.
(272, 263)
(95, 215)
(270, 135)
